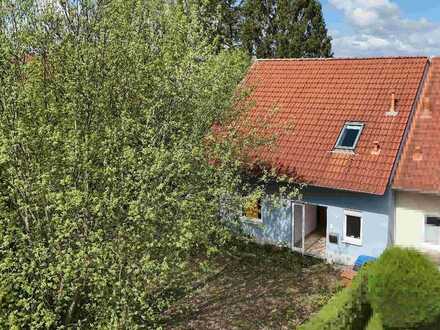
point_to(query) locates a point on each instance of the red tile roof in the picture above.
(319, 96)
(419, 167)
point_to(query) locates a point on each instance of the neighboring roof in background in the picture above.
(419, 167)
(319, 96)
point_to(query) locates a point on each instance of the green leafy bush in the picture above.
(404, 288)
(346, 310)
(105, 184)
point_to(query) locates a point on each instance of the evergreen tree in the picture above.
(258, 27)
(218, 18)
(264, 28)
(284, 28)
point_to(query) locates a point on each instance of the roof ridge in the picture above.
(343, 58)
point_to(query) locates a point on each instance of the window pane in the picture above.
(253, 210)
(432, 230)
(433, 221)
(353, 226)
(349, 136)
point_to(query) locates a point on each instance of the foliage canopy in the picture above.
(107, 183)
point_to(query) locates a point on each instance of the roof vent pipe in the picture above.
(426, 113)
(376, 148)
(392, 111)
(418, 154)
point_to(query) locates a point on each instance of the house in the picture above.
(350, 118)
(417, 181)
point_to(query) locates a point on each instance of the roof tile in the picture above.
(419, 167)
(320, 96)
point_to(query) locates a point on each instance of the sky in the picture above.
(383, 27)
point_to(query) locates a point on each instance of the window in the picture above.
(252, 210)
(432, 230)
(353, 228)
(349, 136)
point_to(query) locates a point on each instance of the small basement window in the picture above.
(252, 210)
(432, 230)
(353, 228)
(349, 136)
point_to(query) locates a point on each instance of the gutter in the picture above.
(409, 190)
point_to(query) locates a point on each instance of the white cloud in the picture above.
(364, 18)
(381, 29)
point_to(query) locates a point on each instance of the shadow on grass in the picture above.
(254, 287)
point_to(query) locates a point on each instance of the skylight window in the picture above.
(349, 136)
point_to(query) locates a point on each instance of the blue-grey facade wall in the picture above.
(377, 222)
(276, 226)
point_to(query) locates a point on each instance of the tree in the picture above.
(111, 175)
(219, 20)
(284, 28)
(105, 108)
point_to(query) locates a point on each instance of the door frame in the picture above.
(303, 218)
(303, 215)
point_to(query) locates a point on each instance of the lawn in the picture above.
(255, 287)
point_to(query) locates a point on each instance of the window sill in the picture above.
(351, 241)
(252, 221)
(343, 151)
(430, 247)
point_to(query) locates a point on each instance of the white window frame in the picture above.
(425, 243)
(351, 240)
(349, 125)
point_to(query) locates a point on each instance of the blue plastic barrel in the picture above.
(362, 260)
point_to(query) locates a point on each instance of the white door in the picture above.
(298, 233)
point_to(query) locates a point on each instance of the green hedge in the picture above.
(346, 310)
(401, 289)
(404, 287)
(375, 323)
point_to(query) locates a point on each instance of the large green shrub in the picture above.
(346, 310)
(404, 289)
(106, 186)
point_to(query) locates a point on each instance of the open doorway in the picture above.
(315, 230)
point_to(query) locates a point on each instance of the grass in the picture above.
(255, 287)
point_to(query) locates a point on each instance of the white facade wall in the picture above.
(411, 211)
